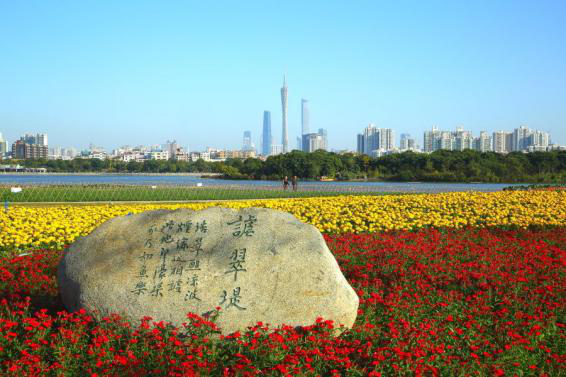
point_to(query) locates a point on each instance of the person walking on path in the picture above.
(285, 183)
(294, 182)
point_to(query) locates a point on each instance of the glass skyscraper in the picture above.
(267, 140)
(304, 116)
(284, 137)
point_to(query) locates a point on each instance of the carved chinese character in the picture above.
(186, 226)
(174, 285)
(194, 264)
(238, 258)
(167, 238)
(168, 226)
(149, 243)
(201, 227)
(156, 290)
(193, 281)
(163, 253)
(192, 295)
(233, 300)
(160, 271)
(140, 288)
(151, 229)
(145, 256)
(177, 270)
(183, 243)
(143, 271)
(178, 258)
(248, 226)
(196, 247)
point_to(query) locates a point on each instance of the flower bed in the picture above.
(452, 301)
(52, 227)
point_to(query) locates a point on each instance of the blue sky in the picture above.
(142, 72)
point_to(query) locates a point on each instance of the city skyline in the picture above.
(483, 66)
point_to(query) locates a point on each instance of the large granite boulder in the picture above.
(255, 264)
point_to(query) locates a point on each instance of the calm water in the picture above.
(157, 180)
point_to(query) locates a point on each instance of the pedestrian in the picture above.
(294, 182)
(285, 183)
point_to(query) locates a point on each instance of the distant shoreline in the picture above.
(200, 175)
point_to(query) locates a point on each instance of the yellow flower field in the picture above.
(28, 227)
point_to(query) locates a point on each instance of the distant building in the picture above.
(324, 133)
(3, 146)
(374, 138)
(483, 143)
(267, 139)
(172, 147)
(461, 140)
(276, 149)
(26, 151)
(313, 142)
(501, 142)
(304, 116)
(37, 139)
(521, 138)
(247, 144)
(158, 155)
(407, 143)
(360, 144)
(284, 137)
(431, 140)
(539, 139)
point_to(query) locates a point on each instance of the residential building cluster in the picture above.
(30, 146)
(522, 139)
(376, 142)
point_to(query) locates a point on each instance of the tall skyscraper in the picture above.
(304, 116)
(3, 146)
(284, 137)
(247, 142)
(267, 141)
(324, 134)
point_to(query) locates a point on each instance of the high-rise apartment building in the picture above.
(431, 140)
(539, 139)
(407, 143)
(483, 142)
(38, 139)
(26, 151)
(502, 141)
(304, 116)
(3, 146)
(461, 140)
(41, 139)
(284, 136)
(374, 139)
(313, 142)
(267, 140)
(521, 138)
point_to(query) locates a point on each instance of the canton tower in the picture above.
(284, 138)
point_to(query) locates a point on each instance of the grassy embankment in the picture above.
(107, 193)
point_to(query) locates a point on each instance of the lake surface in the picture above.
(186, 180)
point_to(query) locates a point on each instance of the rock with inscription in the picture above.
(255, 264)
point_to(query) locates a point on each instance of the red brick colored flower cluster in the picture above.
(432, 302)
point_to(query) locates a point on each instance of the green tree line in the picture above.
(439, 166)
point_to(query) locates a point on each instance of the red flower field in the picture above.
(432, 302)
